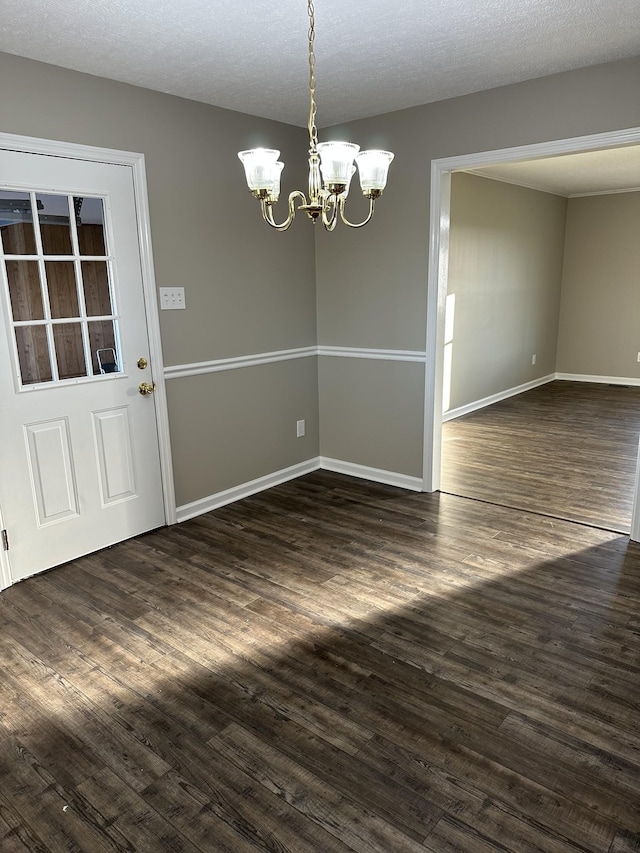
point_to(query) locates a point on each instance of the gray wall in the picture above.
(372, 285)
(248, 289)
(506, 248)
(524, 283)
(349, 408)
(600, 308)
(251, 290)
(244, 423)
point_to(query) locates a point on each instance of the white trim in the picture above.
(5, 571)
(635, 512)
(437, 274)
(236, 493)
(439, 215)
(452, 414)
(70, 150)
(177, 371)
(377, 475)
(604, 380)
(5, 565)
(56, 148)
(382, 354)
(155, 340)
(605, 192)
(538, 150)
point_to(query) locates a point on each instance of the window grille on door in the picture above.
(58, 277)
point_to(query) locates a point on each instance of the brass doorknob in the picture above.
(145, 388)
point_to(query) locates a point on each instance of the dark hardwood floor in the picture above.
(328, 666)
(565, 449)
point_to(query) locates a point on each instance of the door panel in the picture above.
(79, 456)
(114, 455)
(49, 459)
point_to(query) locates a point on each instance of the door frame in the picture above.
(5, 574)
(440, 211)
(136, 162)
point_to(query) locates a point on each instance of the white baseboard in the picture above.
(603, 380)
(236, 493)
(511, 392)
(496, 398)
(365, 472)
(377, 475)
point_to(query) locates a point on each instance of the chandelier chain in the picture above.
(313, 130)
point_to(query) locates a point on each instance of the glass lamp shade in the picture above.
(373, 166)
(336, 162)
(274, 192)
(261, 169)
(345, 192)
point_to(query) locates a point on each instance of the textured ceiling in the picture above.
(608, 170)
(373, 56)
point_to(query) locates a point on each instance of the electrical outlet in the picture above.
(534, 358)
(639, 356)
(172, 298)
(299, 429)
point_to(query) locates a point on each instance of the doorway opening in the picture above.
(437, 326)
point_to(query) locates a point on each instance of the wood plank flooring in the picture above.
(328, 666)
(566, 449)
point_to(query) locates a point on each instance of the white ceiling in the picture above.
(373, 56)
(604, 171)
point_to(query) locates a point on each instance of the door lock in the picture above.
(142, 363)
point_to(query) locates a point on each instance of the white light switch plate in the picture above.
(172, 298)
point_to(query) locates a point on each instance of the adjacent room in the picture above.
(542, 288)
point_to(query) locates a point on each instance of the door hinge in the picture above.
(5, 540)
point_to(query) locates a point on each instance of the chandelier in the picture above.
(331, 167)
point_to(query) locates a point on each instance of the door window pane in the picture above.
(53, 213)
(16, 223)
(33, 354)
(63, 293)
(90, 225)
(67, 338)
(55, 297)
(24, 290)
(95, 281)
(102, 343)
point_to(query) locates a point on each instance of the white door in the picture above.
(79, 455)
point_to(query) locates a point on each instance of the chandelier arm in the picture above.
(372, 203)
(267, 211)
(330, 212)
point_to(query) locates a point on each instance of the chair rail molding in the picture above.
(177, 371)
